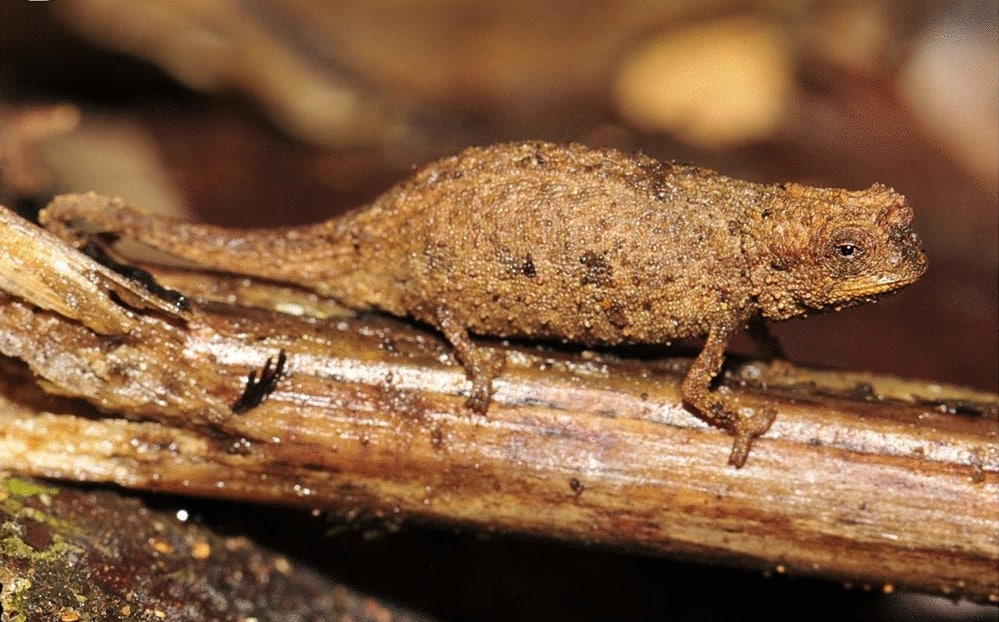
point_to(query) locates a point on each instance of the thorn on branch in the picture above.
(257, 390)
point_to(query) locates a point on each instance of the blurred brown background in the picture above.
(276, 112)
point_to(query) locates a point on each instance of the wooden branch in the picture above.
(866, 479)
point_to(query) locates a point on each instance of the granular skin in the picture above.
(571, 243)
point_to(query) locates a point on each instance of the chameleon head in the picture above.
(828, 248)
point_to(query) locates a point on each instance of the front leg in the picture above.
(721, 410)
(480, 367)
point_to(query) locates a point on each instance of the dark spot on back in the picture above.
(616, 315)
(596, 270)
(527, 268)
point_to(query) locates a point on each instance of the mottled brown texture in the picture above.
(576, 244)
(863, 478)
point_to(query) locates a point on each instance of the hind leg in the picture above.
(479, 365)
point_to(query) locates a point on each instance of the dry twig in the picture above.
(862, 478)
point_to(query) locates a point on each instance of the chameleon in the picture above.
(565, 242)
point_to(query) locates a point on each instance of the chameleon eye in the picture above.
(847, 249)
(847, 243)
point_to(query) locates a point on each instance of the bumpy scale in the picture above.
(570, 243)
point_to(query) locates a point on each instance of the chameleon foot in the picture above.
(748, 427)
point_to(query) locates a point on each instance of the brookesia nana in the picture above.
(571, 243)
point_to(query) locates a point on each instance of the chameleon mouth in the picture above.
(904, 269)
(869, 289)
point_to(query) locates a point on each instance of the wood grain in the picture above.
(863, 478)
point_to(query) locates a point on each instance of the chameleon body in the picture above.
(571, 243)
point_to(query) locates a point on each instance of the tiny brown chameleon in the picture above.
(571, 243)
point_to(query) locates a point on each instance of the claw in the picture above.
(479, 400)
(749, 427)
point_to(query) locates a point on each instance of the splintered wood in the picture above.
(367, 416)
